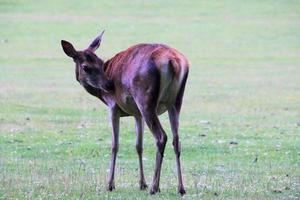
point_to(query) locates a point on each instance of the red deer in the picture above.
(143, 81)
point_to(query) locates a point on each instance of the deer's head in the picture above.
(88, 66)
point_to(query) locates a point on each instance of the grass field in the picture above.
(240, 121)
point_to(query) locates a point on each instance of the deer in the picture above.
(143, 81)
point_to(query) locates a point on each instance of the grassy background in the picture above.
(240, 121)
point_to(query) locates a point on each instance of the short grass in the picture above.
(240, 121)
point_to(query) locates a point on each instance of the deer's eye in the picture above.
(86, 69)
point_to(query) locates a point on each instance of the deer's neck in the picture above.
(94, 91)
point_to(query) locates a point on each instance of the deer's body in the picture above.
(143, 81)
(145, 66)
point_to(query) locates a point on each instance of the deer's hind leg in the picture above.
(160, 137)
(174, 113)
(146, 97)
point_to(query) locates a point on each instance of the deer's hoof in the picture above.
(143, 186)
(154, 190)
(111, 187)
(181, 191)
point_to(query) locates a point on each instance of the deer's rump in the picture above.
(153, 70)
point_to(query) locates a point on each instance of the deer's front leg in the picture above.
(115, 120)
(139, 124)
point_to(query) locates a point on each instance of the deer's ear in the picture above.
(96, 43)
(68, 49)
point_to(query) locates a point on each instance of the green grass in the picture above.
(244, 87)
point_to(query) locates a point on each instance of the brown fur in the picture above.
(143, 81)
(141, 53)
